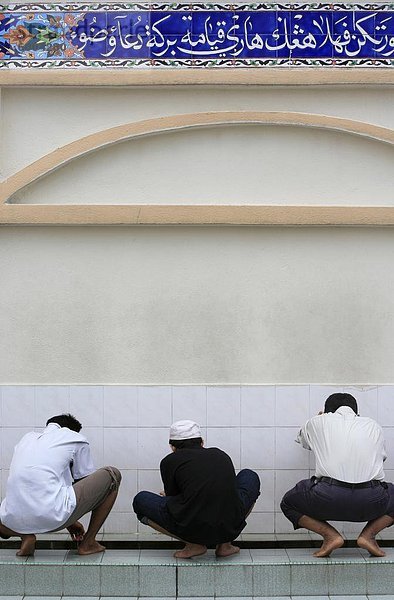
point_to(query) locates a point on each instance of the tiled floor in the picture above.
(388, 597)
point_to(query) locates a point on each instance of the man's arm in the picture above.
(167, 476)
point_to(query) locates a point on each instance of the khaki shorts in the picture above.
(91, 491)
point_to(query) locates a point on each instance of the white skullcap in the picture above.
(184, 430)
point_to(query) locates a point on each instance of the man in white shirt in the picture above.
(53, 483)
(349, 481)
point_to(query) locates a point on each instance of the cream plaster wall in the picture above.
(196, 305)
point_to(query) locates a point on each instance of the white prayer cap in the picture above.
(184, 430)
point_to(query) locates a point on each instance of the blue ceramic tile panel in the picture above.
(210, 35)
(172, 22)
(251, 22)
(384, 34)
(89, 34)
(255, 46)
(214, 34)
(128, 34)
(352, 34)
(35, 35)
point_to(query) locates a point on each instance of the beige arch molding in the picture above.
(206, 214)
(106, 77)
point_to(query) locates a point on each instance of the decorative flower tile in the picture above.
(196, 35)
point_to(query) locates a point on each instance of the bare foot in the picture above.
(28, 545)
(226, 549)
(371, 545)
(90, 547)
(190, 550)
(77, 531)
(330, 543)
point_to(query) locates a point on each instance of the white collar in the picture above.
(345, 411)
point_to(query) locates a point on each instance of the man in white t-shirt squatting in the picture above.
(53, 483)
(349, 482)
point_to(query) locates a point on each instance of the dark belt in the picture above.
(345, 484)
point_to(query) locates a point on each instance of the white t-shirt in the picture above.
(346, 447)
(39, 496)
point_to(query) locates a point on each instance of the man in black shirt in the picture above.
(204, 502)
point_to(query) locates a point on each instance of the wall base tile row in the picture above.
(197, 580)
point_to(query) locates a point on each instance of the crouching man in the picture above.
(204, 502)
(349, 482)
(52, 484)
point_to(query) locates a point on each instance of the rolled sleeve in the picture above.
(302, 438)
(83, 463)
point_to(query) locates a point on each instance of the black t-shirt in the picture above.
(203, 499)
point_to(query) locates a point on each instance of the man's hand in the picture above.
(77, 531)
(162, 493)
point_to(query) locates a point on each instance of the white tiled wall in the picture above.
(127, 426)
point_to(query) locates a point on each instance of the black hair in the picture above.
(66, 420)
(191, 443)
(334, 401)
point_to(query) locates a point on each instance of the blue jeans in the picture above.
(153, 507)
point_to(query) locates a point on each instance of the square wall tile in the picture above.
(50, 400)
(367, 399)
(292, 405)
(386, 405)
(257, 447)
(158, 581)
(388, 433)
(152, 447)
(257, 405)
(379, 578)
(120, 447)
(271, 580)
(119, 580)
(122, 522)
(347, 579)
(266, 500)
(260, 522)
(81, 580)
(309, 580)
(120, 406)
(190, 402)
(12, 579)
(150, 480)
(87, 404)
(318, 394)
(196, 581)
(228, 440)
(285, 480)
(289, 454)
(154, 406)
(18, 406)
(223, 406)
(10, 436)
(44, 581)
(234, 580)
(127, 491)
